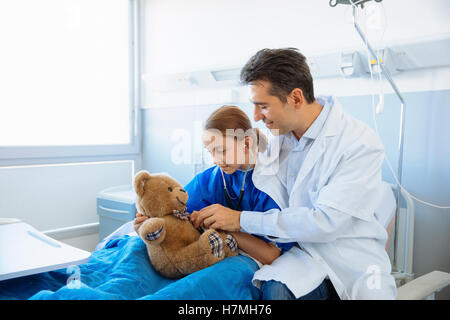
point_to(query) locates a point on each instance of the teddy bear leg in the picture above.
(152, 231)
(209, 244)
(231, 246)
(204, 252)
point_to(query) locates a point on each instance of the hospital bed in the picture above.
(425, 286)
(119, 269)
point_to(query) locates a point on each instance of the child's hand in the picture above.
(194, 219)
(138, 221)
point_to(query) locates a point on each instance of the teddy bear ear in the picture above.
(139, 181)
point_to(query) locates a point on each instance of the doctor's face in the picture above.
(277, 116)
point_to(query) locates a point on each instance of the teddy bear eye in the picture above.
(170, 189)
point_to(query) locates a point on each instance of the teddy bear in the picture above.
(175, 247)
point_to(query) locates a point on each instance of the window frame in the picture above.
(23, 155)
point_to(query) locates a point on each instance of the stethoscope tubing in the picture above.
(241, 193)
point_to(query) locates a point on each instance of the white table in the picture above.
(25, 251)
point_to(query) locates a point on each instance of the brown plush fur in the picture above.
(179, 249)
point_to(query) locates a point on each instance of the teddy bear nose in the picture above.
(182, 190)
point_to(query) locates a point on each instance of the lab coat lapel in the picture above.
(265, 176)
(273, 187)
(310, 161)
(331, 127)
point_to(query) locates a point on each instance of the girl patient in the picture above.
(234, 145)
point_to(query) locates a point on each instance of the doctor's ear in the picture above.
(297, 97)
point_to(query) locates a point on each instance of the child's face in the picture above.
(227, 152)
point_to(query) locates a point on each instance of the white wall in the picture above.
(194, 34)
(184, 36)
(86, 242)
(50, 197)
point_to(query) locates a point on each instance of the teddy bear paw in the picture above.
(151, 236)
(216, 243)
(231, 243)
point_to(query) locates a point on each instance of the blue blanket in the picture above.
(122, 271)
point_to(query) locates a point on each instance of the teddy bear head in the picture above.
(159, 194)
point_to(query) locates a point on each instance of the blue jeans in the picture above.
(275, 290)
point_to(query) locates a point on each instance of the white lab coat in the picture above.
(329, 213)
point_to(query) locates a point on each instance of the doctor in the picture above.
(323, 169)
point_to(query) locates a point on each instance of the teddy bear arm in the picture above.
(153, 231)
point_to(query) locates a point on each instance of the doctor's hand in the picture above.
(218, 217)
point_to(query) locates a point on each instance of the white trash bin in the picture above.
(115, 206)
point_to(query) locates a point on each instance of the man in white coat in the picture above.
(324, 171)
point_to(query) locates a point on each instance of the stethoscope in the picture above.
(241, 193)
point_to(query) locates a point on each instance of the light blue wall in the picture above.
(159, 124)
(426, 165)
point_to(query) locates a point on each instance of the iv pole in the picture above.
(401, 135)
(402, 122)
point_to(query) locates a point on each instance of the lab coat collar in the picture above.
(332, 125)
(316, 127)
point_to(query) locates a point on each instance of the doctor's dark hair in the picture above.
(286, 69)
(231, 119)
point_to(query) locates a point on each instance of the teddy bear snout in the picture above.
(183, 197)
(182, 202)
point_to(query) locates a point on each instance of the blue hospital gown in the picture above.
(207, 188)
